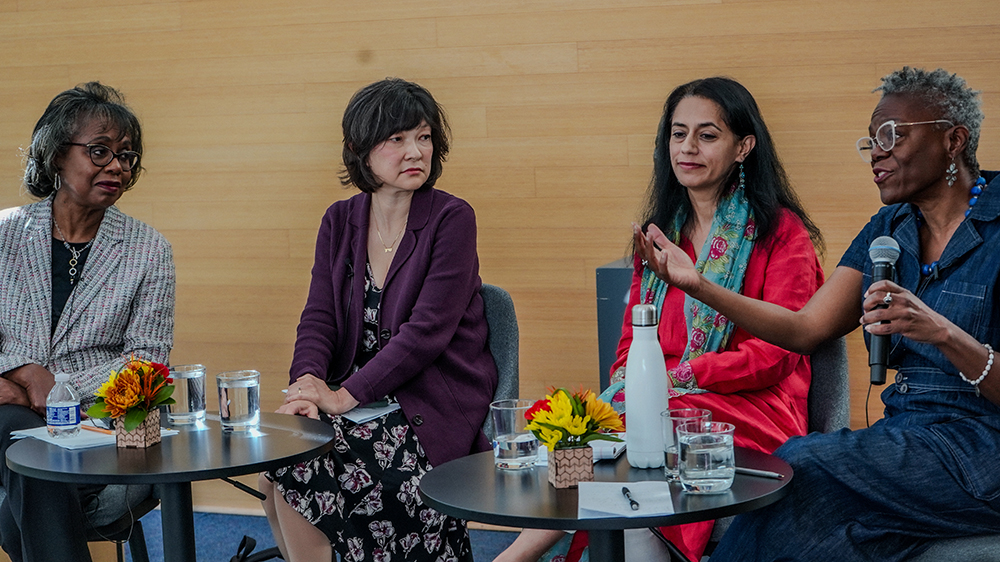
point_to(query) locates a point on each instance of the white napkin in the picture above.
(83, 440)
(605, 499)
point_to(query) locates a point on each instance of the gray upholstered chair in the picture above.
(113, 515)
(503, 340)
(829, 401)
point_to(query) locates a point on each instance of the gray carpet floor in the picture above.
(218, 536)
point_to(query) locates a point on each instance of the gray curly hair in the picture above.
(958, 103)
(64, 116)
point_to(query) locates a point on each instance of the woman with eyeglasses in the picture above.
(82, 287)
(925, 471)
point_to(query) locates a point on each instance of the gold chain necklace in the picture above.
(378, 231)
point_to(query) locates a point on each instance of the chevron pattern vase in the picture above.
(146, 435)
(569, 467)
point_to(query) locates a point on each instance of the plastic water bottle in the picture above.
(646, 387)
(62, 409)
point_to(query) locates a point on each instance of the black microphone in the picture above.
(884, 251)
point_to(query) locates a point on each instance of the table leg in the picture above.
(177, 516)
(607, 545)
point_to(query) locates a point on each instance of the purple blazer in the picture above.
(432, 329)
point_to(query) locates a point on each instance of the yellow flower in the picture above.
(562, 408)
(603, 414)
(549, 437)
(103, 390)
(542, 417)
(578, 425)
(564, 419)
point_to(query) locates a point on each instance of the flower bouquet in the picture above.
(132, 396)
(565, 423)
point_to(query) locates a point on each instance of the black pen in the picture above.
(628, 495)
(761, 473)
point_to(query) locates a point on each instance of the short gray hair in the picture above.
(64, 116)
(958, 103)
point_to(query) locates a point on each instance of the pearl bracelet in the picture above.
(986, 371)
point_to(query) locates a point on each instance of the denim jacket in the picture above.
(927, 390)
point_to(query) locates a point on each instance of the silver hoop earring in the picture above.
(743, 177)
(951, 174)
(57, 184)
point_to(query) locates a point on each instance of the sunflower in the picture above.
(603, 414)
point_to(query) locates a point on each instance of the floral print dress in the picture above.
(363, 493)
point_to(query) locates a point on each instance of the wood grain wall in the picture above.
(554, 106)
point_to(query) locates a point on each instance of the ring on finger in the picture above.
(887, 299)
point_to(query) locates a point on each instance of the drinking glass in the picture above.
(189, 394)
(514, 447)
(239, 400)
(671, 420)
(707, 464)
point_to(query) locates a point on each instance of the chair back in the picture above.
(829, 402)
(504, 342)
(829, 392)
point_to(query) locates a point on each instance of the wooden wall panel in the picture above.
(554, 106)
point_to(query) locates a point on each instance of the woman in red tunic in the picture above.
(719, 192)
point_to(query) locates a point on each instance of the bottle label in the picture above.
(68, 415)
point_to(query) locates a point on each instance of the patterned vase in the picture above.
(569, 467)
(146, 435)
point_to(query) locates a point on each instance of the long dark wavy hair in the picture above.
(767, 187)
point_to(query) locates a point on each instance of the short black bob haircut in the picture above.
(767, 187)
(380, 110)
(66, 115)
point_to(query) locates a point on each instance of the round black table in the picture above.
(198, 452)
(472, 488)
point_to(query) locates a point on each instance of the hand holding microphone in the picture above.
(884, 251)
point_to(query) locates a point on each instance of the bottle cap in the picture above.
(644, 315)
(63, 377)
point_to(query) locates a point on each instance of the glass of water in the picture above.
(239, 400)
(189, 394)
(707, 464)
(514, 447)
(671, 420)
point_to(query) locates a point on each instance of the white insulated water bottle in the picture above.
(646, 387)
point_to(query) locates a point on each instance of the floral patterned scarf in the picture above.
(722, 260)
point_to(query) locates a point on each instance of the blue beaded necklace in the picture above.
(977, 188)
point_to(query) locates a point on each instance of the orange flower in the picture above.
(122, 392)
(603, 414)
(133, 392)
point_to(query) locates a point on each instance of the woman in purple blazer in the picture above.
(394, 314)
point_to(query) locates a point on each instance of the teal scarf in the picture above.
(722, 260)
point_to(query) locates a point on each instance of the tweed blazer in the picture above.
(122, 305)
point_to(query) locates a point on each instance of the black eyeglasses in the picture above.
(101, 156)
